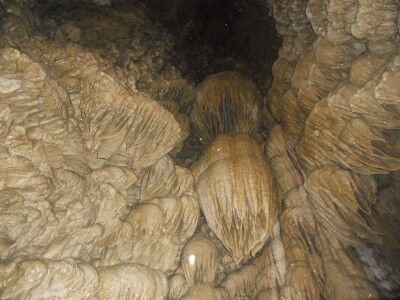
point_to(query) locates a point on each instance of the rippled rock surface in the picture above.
(146, 153)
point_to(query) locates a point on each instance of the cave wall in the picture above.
(99, 197)
(335, 98)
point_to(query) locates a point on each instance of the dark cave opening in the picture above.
(209, 36)
(222, 35)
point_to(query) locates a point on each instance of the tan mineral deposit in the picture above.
(196, 149)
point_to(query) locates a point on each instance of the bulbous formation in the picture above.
(200, 261)
(226, 103)
(233, 180)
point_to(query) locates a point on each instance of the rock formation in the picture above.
(124, 176)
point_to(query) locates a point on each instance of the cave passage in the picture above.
(222, 35)
(208, 36)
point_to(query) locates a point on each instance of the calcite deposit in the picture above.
(123, 175)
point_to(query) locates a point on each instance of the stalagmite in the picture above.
(199, 261)
(233, 179)
(226, 103)
(236, 194)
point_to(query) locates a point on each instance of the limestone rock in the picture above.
(236, 194)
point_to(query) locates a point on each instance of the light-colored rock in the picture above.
(226, 103)
(199, 260)
(236, 194)
(131, 281)
(93, 205)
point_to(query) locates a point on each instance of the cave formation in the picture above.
(199, 149)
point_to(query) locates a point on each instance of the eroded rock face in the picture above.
(340, 131)
(95, 115)
(64, 197)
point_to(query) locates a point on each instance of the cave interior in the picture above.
(199, 149)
